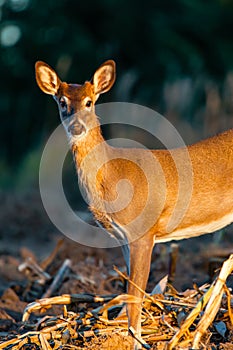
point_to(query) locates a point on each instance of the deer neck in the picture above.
(86, 146)
(90, 153)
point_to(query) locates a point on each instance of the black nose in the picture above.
(76, 129)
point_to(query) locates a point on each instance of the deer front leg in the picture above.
(140, 260)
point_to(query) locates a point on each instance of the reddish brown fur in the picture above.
(211, 193)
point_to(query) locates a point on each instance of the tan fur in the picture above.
(190, 190)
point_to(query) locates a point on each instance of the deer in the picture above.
(141, 196)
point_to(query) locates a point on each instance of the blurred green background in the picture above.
(174, 56)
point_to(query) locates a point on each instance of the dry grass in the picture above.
(169, 321)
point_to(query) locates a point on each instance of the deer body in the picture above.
(136, 194)
(212, 166)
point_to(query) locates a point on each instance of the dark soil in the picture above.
(26, 232)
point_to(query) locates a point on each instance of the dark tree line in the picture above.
(153, 42)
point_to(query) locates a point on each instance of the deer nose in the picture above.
(76, 129)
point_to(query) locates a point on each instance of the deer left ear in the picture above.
(104, 77)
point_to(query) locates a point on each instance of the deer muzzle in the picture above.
(76, 129)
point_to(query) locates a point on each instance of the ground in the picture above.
(26, 232)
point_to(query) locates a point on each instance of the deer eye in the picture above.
(88, 103)
(63, 103)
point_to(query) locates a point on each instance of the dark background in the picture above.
(173, 56)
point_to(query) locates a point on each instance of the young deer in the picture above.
(142, 196)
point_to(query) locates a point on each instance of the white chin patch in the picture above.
(75, 138)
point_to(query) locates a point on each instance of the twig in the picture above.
(134, 284)
(65, 299)
(138, 338)
(47, 261)
(58, 279)
(173, 254)
(36, 271)
(214, 302)
(229, 303)
(190, 319)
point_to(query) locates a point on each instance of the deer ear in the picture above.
(104, 77)
(47, 79)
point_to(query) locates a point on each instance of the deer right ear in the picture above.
(47, 79)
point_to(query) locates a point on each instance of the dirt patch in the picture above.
(27, 234)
